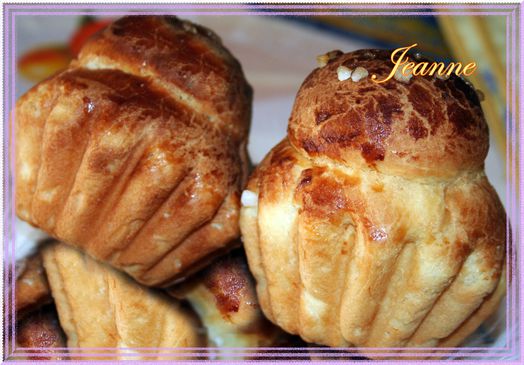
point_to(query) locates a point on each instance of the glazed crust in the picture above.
(40, 330)
(398, 128)
(137, 152)
(367, 273)
(382, 252)
(100, 307)
(223, 294)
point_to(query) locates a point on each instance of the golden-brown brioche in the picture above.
(40, 337)
(137, 152)
(32, 288)
(361, 230)
(224, 296)
(100, 307)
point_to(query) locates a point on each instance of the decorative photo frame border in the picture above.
(510, 354)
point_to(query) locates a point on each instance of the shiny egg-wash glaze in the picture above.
(137, 152)
(223, 294)
(375, 224)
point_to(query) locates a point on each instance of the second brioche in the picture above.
(137, 152)
(224, 296)
(99, 307)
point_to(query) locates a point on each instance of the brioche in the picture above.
(137, 152)
(224, 297)
(103, 311)
(40, 337)
(372, 224)
(32, 289)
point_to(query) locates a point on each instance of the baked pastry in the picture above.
(32, 288)
(137, 152)
(40, 337)
(224, 297)
(373, 223)
(100, 307)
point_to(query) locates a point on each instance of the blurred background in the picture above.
(278, 52)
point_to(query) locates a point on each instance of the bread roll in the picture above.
(373, 223)
(137, 152)
(32, 289)
(39, 336)
(224, 297)
(100, 307)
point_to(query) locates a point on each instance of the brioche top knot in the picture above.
(422, 126)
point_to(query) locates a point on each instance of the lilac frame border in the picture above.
(510, 11)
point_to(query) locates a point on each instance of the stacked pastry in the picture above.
(40, 337)
(32, 288)
(101, 308)
(136, 154)
(371, 225)
(105, 314)
(38, 329)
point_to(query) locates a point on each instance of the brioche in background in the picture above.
(223, 295)
(39, 336)
(373, 223)
(100, 307)
(32, 289)
(137, 152)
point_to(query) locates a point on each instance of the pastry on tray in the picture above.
(100, 307)
(137, 152)
(224, 297)
(372, 224)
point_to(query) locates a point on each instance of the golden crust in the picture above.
(41, 330)
(100, 307)
(137, 152)
(185, 59)
(224, 296)
(368, 233)
(32, 288)
(345, 257)
(395, 127)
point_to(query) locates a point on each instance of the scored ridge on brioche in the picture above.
(183, 58)
(137, 152)
(102, 308)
